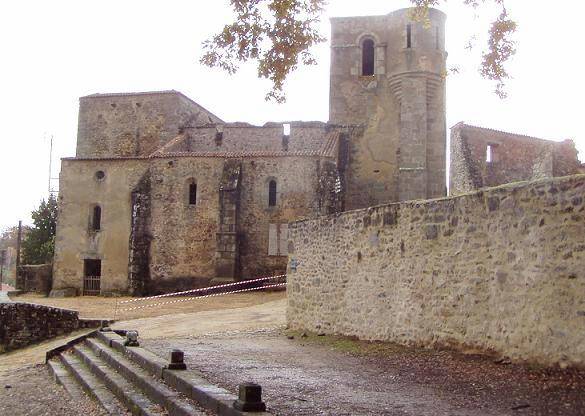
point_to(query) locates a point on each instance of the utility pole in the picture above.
(50, 163)
(2, 259)
(18, 240)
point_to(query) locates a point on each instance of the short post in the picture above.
(177, 360)
(131, 339)
(250, 398)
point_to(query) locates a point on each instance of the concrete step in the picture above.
(174, 402)
(130, 396)
(91, 384)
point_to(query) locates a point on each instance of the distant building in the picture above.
(482, 157)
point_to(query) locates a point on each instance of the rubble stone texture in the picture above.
(499, 269)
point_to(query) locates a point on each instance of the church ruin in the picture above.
(163, 195)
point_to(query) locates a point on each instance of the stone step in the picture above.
(189, 382)
(174, 402)
(91, 384)
(119, 376)
(65, 379)
(131, 397)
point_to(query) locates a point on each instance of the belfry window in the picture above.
(192, 194)
(272, 193)
(96, 221)
(368, 54)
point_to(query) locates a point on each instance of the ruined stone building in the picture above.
(164, 195)
(482, 157)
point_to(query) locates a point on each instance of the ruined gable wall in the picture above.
(500, 269)
(134, 124)
(79, 192)
(514, 158)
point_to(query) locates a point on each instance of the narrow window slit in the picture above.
(193, 194)
(272, 193)
(368, 54)
(96, 222)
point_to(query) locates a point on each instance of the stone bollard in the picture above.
(131, 339)
(177, 360)
(250, 398)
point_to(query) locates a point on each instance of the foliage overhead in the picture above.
(38, 245)
(278, 35)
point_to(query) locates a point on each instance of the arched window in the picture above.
(272, 193)
(96, 222)
(368, 57)
(192, 193)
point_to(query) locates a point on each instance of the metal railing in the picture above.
(91, 285)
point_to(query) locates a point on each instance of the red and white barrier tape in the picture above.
(203, 289)
(205, 296)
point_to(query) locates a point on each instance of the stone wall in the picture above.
(501, 270)
(36, 278)
(514, 158)
(123, 125)
(244, 137)
(79, 191)
(22, 324)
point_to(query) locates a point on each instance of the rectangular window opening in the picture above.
(488, 154)
(437, 39)
(286, 129)
(409, 35)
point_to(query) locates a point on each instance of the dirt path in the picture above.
(187, 325)
(114, 308)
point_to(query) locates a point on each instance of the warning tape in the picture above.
(204, 289)
(205, 296)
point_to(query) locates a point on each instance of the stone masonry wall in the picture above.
(500, 269)
(401, 107)
(22, 324)
(125, 125)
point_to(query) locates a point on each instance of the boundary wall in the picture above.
(502, 269)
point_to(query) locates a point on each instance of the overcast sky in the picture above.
(53, 52)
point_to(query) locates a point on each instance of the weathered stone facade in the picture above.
(163, 195)
(152, 238)
(483, 157)
(499, 269)
(399, 101)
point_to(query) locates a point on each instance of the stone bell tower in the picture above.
(387, 74)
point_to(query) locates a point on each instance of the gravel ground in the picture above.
(338, 376)
(30, 391)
